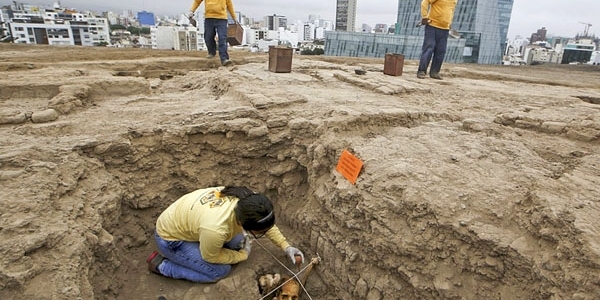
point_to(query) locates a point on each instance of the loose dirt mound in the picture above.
(480, 186)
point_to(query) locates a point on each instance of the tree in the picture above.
(133, 30)
(117, 27)
(316, 51)
(138, 31)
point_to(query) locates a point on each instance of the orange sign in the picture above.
(349, 166)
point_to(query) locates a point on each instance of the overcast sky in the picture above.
(560, 17)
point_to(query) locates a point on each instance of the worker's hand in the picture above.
(292, 252)
(247, 244)
(191, 19)
(425, 21)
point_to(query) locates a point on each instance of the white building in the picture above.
(320, 33)
(4, 19)
(263, 45)
(288, 38)
(538, 55)
(255, 35)
(595, 58)
(345, 15)
(113, 18)
(275, 22)
(309, 32)
(176, 38)
(35, 25)
(93, 31)
(327, 25)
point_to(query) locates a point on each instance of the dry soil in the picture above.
(481, 186)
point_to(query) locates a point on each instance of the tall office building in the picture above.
(345, 15)
(482, 24)
(274, 22)
(539, 35)
(409, 13)
(485, 26)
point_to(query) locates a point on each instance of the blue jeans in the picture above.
(183, 260)
(213, 27)
(434, 45)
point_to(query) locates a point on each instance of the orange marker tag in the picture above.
(349, 166)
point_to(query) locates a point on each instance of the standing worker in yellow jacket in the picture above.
(437, 17)
(203, 233)
(215, 23)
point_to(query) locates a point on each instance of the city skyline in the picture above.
(527, 15)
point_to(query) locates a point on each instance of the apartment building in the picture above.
(176, 38)
(274, 22)
(345, 15)
(31, 24)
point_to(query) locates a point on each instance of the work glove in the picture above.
(247, 243)
(425, 21)
(291, 252)
(191, 19)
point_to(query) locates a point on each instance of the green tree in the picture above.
(117, 27)
(133, 30)
(316, 51)
(138, 31)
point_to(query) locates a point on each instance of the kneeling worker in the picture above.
(204, 232)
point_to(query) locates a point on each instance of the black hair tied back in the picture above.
(254, 211)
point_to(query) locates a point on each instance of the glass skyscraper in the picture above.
(487, 19)
(482, 24)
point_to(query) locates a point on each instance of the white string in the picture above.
(295, 274)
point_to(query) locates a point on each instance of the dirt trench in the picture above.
(376, 243)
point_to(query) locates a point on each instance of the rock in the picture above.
(13, 118)
(44, 116)
(553, 127)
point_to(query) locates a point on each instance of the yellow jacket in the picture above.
(206, 217)
(439, 12)
(215, 9)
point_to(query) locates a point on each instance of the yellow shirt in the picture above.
(215, 9)
(202, 216)
(439, 12)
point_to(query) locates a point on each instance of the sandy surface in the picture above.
(480, 186)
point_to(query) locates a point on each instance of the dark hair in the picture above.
(254, 211)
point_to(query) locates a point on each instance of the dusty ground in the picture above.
(481, 186)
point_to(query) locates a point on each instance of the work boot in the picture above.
(421, 74)
(153, 260)
(435, 76)
(226, 62)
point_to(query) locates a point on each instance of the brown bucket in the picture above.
(235, 34)
(393, 64)
(280, 59)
